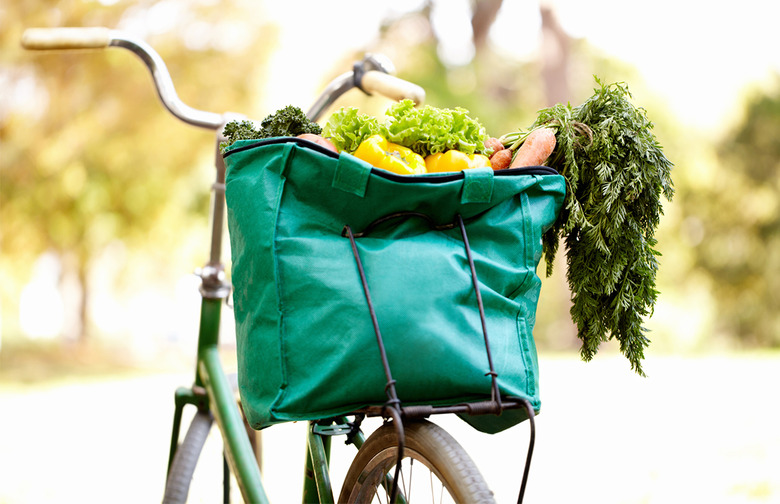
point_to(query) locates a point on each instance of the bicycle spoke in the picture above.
(387, 485)
(408, 493)
(402, 485)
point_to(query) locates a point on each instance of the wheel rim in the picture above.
(418, 481)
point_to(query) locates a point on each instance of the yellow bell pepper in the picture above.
(389, 156)
(454, 160)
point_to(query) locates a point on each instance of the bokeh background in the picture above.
(104, 201)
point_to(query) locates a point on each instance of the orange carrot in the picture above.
(536, 148)
(501, 159)
(494, 144)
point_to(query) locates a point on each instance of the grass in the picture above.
(33, 363)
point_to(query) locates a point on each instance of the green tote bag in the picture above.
(307, 348)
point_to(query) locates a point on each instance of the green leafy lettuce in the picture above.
(347, 128)
(425, 130)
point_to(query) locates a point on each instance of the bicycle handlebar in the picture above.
(60, 39)
(372, 74)
(66, 38)
(392, 87)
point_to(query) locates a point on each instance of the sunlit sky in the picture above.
(697, 56)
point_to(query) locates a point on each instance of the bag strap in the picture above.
(393, 402)
(477, 185)
(351, 175)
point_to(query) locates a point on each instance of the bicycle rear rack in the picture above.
(394, 409)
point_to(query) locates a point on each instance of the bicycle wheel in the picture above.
(434, 467)
(183, 466)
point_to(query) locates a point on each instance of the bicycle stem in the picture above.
(213, 283)
(218, 214)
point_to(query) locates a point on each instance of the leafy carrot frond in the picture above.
(616, 174)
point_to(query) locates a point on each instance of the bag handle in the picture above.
(477, 185)
(352, 174)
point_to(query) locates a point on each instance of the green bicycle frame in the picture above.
(212, 390)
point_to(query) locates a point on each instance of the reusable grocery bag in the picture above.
(307, 348)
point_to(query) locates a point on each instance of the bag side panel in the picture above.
(253, 190)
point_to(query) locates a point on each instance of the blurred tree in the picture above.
(484, 13)
(556, 60)
(488, 85)
(734, 224)
(89, 156)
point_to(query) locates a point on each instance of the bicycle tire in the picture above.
(425, 442)
(183, 465)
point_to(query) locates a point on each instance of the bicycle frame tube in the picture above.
(210, 373)
(238, 450)
(317, 482)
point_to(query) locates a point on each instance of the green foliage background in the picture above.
(94, 159)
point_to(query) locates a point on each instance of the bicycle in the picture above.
(380, 466)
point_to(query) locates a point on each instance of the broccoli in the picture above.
(288, 121)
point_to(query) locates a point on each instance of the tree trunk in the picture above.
(483, 17)
(83, 320)
(74, 291)
(556, 49)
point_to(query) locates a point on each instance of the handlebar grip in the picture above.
(41, 39)
(391, 86)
